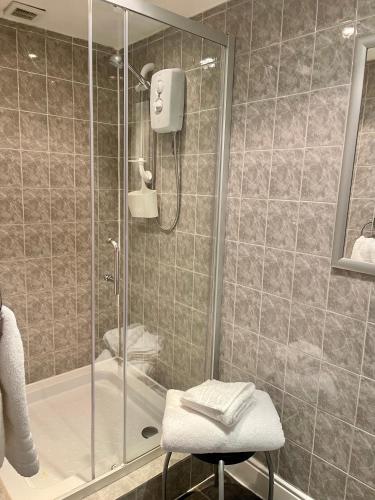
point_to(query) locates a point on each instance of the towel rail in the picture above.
(372, 223)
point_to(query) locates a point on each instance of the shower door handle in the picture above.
(116, 272)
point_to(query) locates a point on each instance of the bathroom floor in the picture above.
(233, 491)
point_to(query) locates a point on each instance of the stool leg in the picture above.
(216, 476)
(165, 475)
(270, 475)
(221, 479)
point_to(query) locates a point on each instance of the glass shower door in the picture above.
(170, 261)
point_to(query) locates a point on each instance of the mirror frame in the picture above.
(338, 260)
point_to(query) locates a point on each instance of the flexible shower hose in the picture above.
(177, 167)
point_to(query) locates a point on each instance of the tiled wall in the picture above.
(170, 273)
(302, 331)
(362, 200)
(44, 190)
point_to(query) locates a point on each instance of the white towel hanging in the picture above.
(16, 442)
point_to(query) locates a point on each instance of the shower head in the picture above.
(117, 61)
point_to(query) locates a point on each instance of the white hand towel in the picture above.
(16, 442)
(364, 250)
(222, 401)
(187, 431)
(356, 252)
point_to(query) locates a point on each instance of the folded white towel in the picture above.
(364, 249)
(16, 442)
(222, 401)
(139, 341)
(187, 431)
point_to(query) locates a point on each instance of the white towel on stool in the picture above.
(16, 442)
(221, 401)
(187, 431)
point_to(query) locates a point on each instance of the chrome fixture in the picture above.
(115, 278)
(117, 61)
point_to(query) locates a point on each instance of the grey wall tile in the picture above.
(230, 261)
(296, 65)
(34, 133)
(294, 465)
(8, 37)
(259, 124)
(241, 76)
(369, 356)
(282, 224)
(302, 376)
(286, 174)
(365, 418)
(278, 272)
(59, 58)
(35, 169)
(271, 362)
(266, 28)
(298, 421)
(371, 316)
(238, 23)
(330, 13)
(256, 173)
(32, 92)
(31, 43)
(245, 347)
(333, 439)
(333, 58)
(263, 74)
(250, 265)
(321, 174)
(10, 168)
(291, 120)
(343, 341)
(315, 228)
(362, 464)
(233, 218)
(338, 391)
(238, 127)
(358, 491)
(298, 17)
(247, 308)
(348, 294)
(9, 129)
(274, 322)
(326, 481)
(326, 124)
(252, 220)
(311, 275)
(306, 329)
(8, 92)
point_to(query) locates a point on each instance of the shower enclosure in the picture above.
(142, 293)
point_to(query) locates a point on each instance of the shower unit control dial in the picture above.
(167, 100)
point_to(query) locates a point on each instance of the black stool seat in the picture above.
(220, 460)
(227, 458)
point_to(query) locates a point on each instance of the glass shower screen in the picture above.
(156, 126)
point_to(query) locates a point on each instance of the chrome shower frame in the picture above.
(227, 42)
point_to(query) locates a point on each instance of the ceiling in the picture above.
(69, 17)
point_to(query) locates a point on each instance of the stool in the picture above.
(220, 460)
(187, 431)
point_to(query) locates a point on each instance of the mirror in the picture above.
(354, 240)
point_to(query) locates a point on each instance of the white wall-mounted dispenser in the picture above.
(143, 203)
(167, 100)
